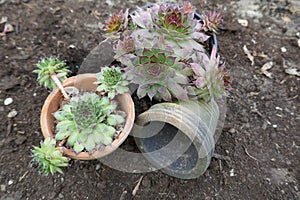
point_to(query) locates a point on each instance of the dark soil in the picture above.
(259, 145)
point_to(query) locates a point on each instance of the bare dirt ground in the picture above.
(260, 140)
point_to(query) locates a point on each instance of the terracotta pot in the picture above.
(178, 138)
(85, 82)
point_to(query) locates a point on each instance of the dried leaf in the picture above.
(266, 67)
(249, 55)
(8, 28)
(3, 20)
(283, 49)
(136, 188)
(243, 22)
(286, 19)
(292, 71)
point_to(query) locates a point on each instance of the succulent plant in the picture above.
(210, 80)
(49, 67)
(158, 73)
(112, 81)
(211, 21)
(165, 53)
(87, 121)
(174, 22)
(48, 157)
(116, 23)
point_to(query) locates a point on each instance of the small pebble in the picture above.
(232, 130)
(12, 113)
(283, 49)
(34, 94)
(98, 166)
(298, 43)
(274, 126)
(243, 22)
(231, 172)
(278, 108)
(3, 188)
(8, 101)
(10, 182)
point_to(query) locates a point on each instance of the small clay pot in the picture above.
(85, 82)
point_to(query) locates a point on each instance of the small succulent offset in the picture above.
(116, 23)
(210, 79)
(48, 157)
(51, 72)
(211, 21)
(112, 81)
(47, 68)
(87, 122)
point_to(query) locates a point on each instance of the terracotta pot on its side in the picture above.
(85, 82)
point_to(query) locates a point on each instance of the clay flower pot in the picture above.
(85, 82)
(179, 138)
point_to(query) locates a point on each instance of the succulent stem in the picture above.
(61, 143)
(60, 86)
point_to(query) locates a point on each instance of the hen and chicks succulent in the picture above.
(86, 122)
(165, 48)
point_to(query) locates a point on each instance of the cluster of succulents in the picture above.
(49, 158)
(87, 121)
(165, 49)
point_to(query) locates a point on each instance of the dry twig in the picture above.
(246, 151)
(136, 188)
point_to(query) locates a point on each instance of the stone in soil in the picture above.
(8, 101)
(12, 114)
(9, 82)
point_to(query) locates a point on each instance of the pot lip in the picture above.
(48, 130)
